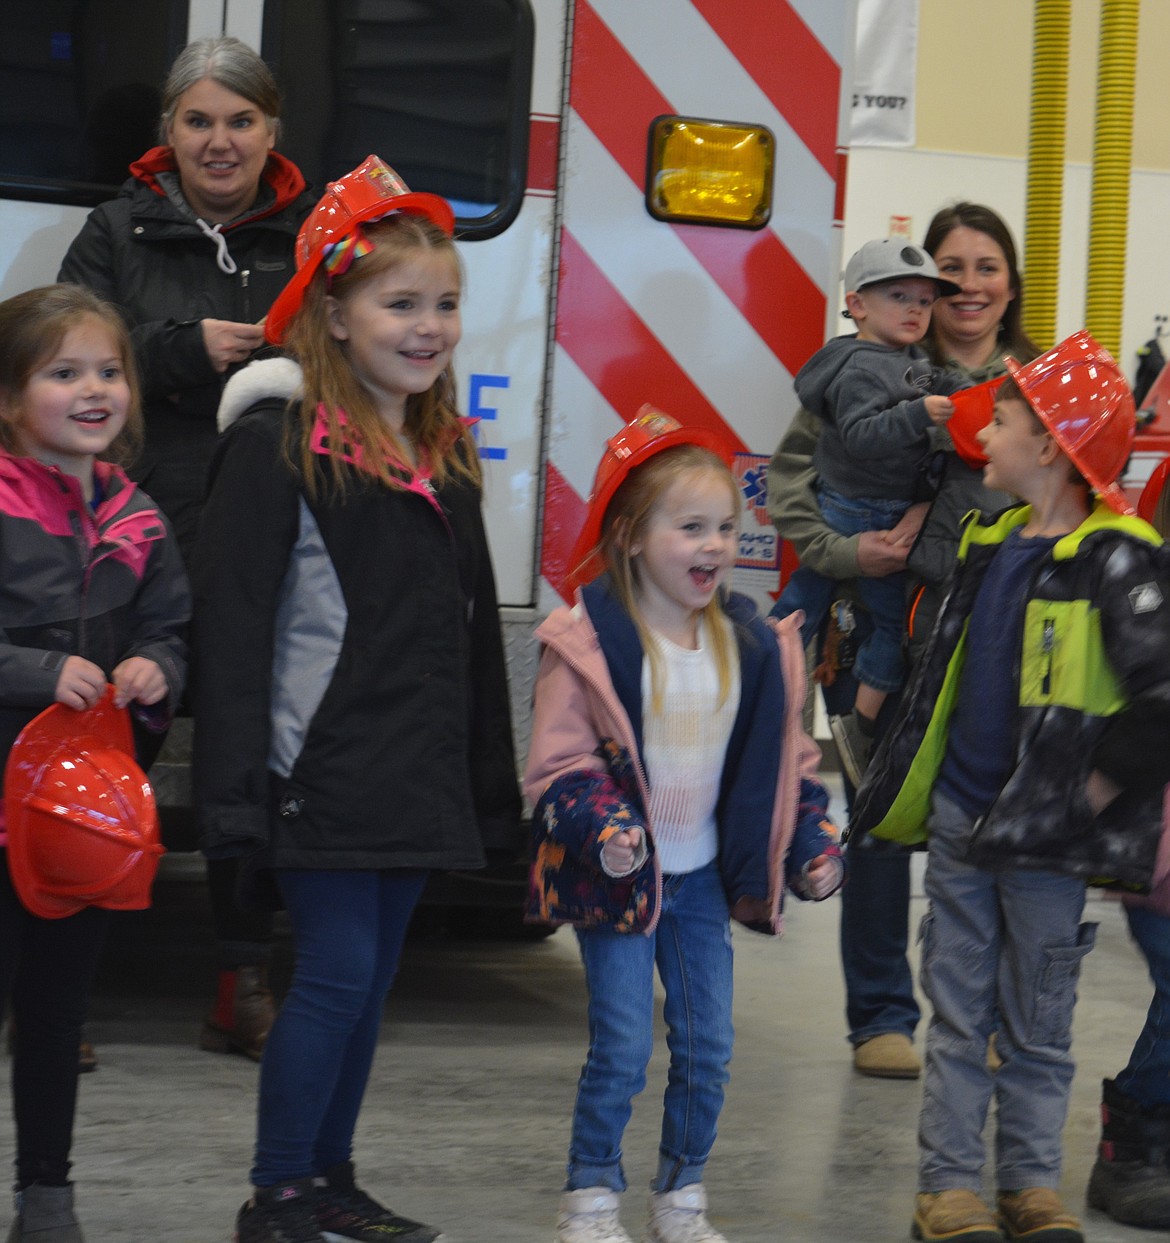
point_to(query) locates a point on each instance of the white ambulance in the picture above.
(649, 196)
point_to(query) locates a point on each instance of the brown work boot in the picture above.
(243, 1014)
(889, 1055)
(1036, 1215)
(956, 1214)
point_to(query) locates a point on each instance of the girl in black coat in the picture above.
(352, 711)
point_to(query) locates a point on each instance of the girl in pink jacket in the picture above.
(673, 790)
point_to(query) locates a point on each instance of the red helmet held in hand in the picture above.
(81, 818)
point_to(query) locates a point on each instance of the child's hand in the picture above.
(138, 680)
(822, 876)
(940, 409)
(80, 684)
(1100, 791)
(624, 852)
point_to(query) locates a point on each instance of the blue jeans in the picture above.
(1147, 1077)
(1001, 952)
(875, 910)
(348, 930)
(879, 662)
(875, 936)
(691, 947)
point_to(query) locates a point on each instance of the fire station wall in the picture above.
(973, 103)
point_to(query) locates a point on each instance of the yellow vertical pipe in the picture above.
(1046, 128)
(1112, 152)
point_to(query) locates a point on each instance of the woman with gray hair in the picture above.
(193, 252)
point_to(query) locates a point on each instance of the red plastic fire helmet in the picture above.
(972, 414)
(1080, 395)
(650, 431)
(82, 823)
(370, 192)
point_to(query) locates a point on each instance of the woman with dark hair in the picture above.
(193, 252)
(970, 333)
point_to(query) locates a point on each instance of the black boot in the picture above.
(1131, 1179)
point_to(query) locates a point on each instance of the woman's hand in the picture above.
(884, 552)
(906, 532)
(878, 556)
(138, 680)
(227, 342)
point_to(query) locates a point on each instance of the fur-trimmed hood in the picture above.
(260, 380)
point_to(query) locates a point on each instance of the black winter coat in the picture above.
(144, 253)
(406, 759)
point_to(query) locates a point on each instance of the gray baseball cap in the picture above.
(891, 259)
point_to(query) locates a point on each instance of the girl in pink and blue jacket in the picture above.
(673, 791)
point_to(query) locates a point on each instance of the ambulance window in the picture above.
(79, 93)
(438, 88)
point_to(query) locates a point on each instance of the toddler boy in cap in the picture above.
(878, 396)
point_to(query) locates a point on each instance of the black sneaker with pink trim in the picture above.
(346, 1213)
(281, 1214)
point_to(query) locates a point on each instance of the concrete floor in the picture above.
(466, 1118)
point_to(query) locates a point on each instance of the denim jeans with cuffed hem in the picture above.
(811, 593)
(691, 948)
(348, 929)
(1147, 1076)
(1001, 952)
(879, 662)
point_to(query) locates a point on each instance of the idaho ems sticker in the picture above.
(1145, 599)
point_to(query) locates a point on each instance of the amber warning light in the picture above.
(709, 172)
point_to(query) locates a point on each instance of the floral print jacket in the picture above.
(586, 782)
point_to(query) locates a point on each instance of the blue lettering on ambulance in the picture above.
(477, 410)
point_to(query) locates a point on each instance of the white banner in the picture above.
(883, 73)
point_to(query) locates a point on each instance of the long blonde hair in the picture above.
(33, 325)
(432, 419)
(624, 526)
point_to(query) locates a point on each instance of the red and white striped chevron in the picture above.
(708, 323)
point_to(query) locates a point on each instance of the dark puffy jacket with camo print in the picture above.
(1093, 677)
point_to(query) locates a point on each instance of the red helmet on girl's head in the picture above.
(647, 433)
(370, 192)
(81, 818)
(1080, 395)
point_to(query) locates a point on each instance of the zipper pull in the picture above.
(244, 278)
(1047, 643)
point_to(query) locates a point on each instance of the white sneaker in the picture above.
(681, 1217)
(590, 1215)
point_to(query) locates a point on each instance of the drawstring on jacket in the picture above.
(222, 256)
